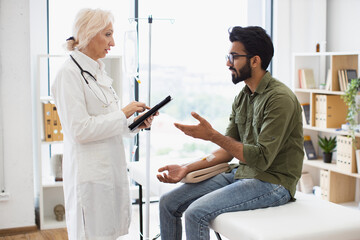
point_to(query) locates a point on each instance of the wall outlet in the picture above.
(4, 196)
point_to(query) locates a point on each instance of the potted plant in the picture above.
(328, 146)
(350, 100)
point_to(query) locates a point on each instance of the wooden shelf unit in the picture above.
(343, 185)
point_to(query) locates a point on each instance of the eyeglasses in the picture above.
(230, 57)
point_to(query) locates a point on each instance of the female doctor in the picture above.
(96, 187)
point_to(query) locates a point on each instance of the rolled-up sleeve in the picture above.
(232, 128)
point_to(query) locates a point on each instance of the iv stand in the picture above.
(147, 177)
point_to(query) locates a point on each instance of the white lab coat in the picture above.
(96, 185)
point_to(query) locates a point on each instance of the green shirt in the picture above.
(269, 124)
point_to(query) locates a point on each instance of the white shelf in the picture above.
(321, 62)
(50, 222)
(52, 184)
(329, 166)
(320, 91)
(50, 193)
(45, 98)
(329, 130)
(52, 142)
(342, 185)
(314, 54)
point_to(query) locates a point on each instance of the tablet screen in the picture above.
(152, 111)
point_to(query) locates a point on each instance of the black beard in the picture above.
(243, 73)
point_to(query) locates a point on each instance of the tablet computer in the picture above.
(152, 111)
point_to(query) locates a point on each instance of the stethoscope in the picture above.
(83, 72)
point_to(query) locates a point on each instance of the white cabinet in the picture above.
(48, 192)
(343, 186)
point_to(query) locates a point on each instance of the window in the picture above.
(62, 15)
(188, 63)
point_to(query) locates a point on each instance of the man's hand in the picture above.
(174, 175)
(203, 130)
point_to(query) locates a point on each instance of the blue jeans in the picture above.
(205, 200)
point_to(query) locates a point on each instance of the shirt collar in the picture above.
(88, 63)
(262, 85)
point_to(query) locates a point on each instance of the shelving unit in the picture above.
(329, 166)
(48, 192)
(343, 186)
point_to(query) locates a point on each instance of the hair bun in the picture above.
(70, 43)
(70, 38)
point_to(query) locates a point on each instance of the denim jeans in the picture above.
(203, 201)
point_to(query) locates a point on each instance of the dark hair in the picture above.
(256, 42)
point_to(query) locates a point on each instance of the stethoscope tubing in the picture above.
(82, 71)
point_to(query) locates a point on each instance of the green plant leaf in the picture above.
(350, 100)
(328, 145)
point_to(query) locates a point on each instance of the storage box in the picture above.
(330, 111)
(324, 184)
(346, 158)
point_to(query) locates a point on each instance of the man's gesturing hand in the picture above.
(202, 131)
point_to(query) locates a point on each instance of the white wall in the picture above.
(38, 45)
(15, 91)
(343, 33)
(298, 26)
(281, 41)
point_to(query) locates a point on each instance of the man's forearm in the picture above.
(221, 156)
(233, 147)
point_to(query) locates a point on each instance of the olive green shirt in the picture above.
(269, 124)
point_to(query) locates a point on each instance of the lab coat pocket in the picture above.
(94, 163)
(97, 208)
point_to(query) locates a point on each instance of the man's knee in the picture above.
(164, 201)
(168, 204)
(193, 214)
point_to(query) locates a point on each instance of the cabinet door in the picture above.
(341, 188)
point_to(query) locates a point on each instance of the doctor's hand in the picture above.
(134, 107)
(147, 123)
(202, 131)
(174, 173)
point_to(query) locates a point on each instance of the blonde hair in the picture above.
(88, 23)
